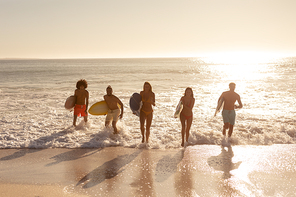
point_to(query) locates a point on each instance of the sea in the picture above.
(33, 93)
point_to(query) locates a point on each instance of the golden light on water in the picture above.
(243, 58)
(242, 65)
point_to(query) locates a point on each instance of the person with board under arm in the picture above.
(81, 104)
(146, 111)
(228, 113)
(114, 111)
(186, 115)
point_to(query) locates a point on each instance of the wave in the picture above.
(91, 135)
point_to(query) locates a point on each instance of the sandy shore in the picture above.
(201, 170)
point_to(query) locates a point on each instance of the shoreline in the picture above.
(199, 170)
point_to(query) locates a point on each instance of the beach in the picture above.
(215, 49)
(42, 154)
(199, 170)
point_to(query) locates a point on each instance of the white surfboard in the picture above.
(219, 106)
(178, 110)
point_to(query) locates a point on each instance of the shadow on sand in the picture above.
(108, 170)
(73, 155)
(168, 166)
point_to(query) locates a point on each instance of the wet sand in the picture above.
(200, 170)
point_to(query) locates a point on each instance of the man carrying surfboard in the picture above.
(228, 113)
(114, 111)
(81, 104)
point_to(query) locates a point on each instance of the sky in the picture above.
(145, 28)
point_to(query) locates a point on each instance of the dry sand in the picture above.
(200, 170)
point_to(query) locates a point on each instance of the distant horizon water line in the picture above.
(239, 57)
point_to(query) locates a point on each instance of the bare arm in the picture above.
(107, 101)
(191, 105)
(239, 102)
(121, 106)
(221, 97)
(153, 99)
(86, 101)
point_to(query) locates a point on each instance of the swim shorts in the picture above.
(228, 116)
(79, 110)
(113, 115)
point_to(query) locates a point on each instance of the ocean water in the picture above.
(33, 93)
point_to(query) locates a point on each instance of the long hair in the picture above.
(149, 86)
(190, 90)
(81, 82)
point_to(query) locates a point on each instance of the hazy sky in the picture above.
(144, 28)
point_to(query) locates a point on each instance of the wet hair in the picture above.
(80, 83)
(148, 84)
(190, 90)
(109, 87)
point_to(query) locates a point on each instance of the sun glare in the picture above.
(242, 58)
(241, 65)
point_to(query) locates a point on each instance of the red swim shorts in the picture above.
(79, 110)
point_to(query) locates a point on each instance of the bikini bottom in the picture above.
(147, 113)
(187, 117)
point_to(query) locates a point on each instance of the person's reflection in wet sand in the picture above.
(144, 182)
(183, 177)
(223, 162)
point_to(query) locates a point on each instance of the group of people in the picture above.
(146, 111)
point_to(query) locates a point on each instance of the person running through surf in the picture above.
(114, 113)
(228, 113)
(81, 104)
(146, 111)
(186, 115)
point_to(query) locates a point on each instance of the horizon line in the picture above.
(227, 54)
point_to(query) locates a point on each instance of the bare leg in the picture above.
(142, 122)
(148, 125)
(114, 127)
(182, 118)
(85, 119)
(74, 120)
(189, 122)
(225, 127)
(107, 123)
(230, 130)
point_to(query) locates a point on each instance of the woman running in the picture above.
(146, 112)
(186, 115)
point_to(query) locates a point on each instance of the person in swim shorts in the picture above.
(81, 104)
(228, 113)
(186, 115)
(146, 111)
(114, 113)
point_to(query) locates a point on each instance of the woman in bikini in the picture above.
(146, 112)
(186, 116)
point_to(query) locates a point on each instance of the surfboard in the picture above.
(178, 110)
(99, 108)
(135, 103)
(70, 102)
(219, 106)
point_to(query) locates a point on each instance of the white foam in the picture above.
(33, 116)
